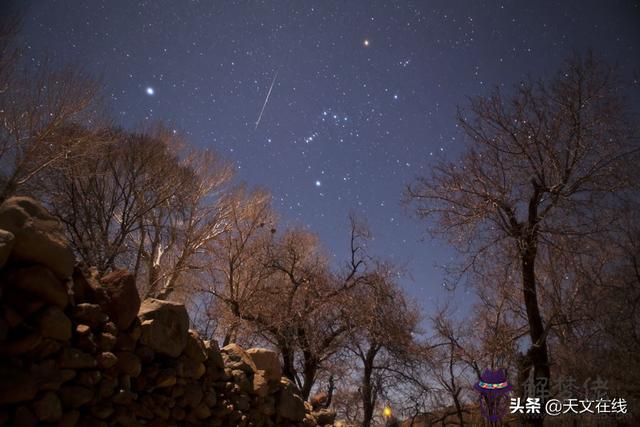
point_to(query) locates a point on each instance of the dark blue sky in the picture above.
(364, 98)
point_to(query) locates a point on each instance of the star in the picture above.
(150, 91)
(318, 183)
(365, 42)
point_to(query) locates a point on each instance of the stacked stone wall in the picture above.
(77, 350)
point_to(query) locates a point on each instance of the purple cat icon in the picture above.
(493, 388)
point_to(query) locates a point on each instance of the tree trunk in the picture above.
(288, 370)
(537, 355)
(310, 370)
(456, 401)
(330, 390)
(368, 397)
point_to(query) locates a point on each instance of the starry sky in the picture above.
(362, 95)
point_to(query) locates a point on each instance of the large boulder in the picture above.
(260, 384)
(90, 314)
(324, 417)
(290, 405)
(48, 408)
(128, 363)
(16, 386)
(55, 324)
(6, 245)
(215, 363)
(195, 349)
(38, 236)
(267, 360)
(165, 326)
(123, 302)
(40, 282)
(236, 357)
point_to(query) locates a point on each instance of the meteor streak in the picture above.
(275, 76)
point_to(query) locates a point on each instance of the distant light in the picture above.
(387, 411)
(150, 91)
(366, 42)
(318, 183)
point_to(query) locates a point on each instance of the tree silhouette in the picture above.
(537, 168)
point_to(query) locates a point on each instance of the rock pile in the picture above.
(78, 351)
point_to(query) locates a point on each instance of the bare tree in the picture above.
(104, 199)
(382, 328)
(602, 269)
(173, 241)
(538, 166)
(36, 104)
(237, 274)
(282, 285)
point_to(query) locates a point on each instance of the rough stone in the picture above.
(324, 417)
(106, 359)
(55, 324)
(166, 378)
(83, 329)
(79, 285)
(145, 354)
(124, 397)
(102, 410)
(192, 369)
(89, 379)
(195, 349)
(238, 358)
(4, 328)
(39, 281)
(192, 395)
(49, 376)
(106, 341)
(21, 345)
(165, 326)
(73, 358)
(125, 342)
(90, 314)
(6, 245)
(91, 369)
(202, 411)
(16, 387)
(24, 417)
(260, 383)
(46, 348)
(214, 356)
(22, 303)
(39, 238)
(129, 363)
(290, 405)
(241, 379)
(210, 398)
(268, 361)
(123, 302)
(74, 396)
(69, 419)
(48, 408)
(269, 406)
(107, 387)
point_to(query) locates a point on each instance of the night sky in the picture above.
(363, 101)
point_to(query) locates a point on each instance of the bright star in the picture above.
(366, 42)
(318, 183)
(150, 91)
